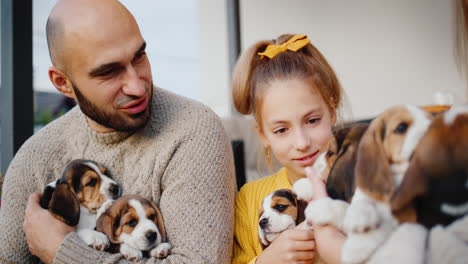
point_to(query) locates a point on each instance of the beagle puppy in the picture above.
(436, 182)
(343, 150)
(77, 195)
(336, 165)
(134, 225)
(383, 156)
(279, 211)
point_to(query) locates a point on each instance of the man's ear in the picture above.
(61, 82)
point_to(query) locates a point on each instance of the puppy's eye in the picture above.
(92, 182)
(280, 207)
(401, 128)
(132, 223)
(152, 217)
(330, 153)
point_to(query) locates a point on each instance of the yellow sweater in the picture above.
(246, 241)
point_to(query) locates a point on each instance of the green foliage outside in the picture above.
(46, 116)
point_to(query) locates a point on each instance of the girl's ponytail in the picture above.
(242, 87)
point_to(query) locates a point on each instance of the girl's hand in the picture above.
(292, 246)
(318, 184)
(329, 239)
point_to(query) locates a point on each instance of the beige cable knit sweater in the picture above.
(181, 160)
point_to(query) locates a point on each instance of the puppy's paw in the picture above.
(303, 189)
(359, 247)
(161, 251)
(326, 211)
(130, 253)
(354, 250)
(361, 216)
(94, 239)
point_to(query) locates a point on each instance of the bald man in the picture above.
(164, 147)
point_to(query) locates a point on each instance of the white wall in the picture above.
(214, 57)
(384, 52)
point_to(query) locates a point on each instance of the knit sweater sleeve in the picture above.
(197, 202)
(20, 181)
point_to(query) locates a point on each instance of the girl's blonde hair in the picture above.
(252, 74)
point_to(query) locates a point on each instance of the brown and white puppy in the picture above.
(340, 179)
(436, 182)
(279, 211)
(76, 197)
(135, 225)
(383, 156)
(336, 165)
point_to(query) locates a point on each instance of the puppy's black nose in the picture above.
(263, 223)
(114, 190)
(151, 236)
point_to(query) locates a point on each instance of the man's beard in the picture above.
(116, 120)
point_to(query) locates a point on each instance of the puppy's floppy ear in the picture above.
(372, 173)
(107, 224)
(339, 137)
(301, 206)
(160, 222)
(47, 196)
(425, 162)
(64, 204)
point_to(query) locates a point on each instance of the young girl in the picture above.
(294, 94)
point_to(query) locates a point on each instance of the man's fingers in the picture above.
(35, 196)
(33, 201)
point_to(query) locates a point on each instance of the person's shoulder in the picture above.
(50, 137)
(183, 112)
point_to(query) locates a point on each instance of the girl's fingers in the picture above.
(301, 246)
(318, 184)
(303, 256)
(299, 234)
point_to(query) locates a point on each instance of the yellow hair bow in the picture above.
(295, 43)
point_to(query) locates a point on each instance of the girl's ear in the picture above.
(61, 82)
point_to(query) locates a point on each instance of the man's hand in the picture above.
(44, 233)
